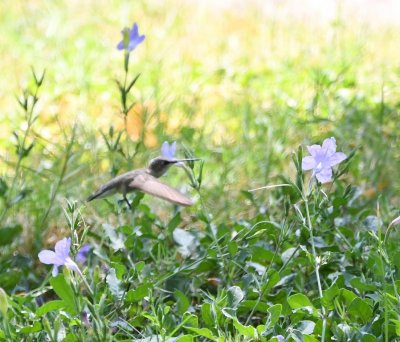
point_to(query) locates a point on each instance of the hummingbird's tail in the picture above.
(91, 197)
(101, 193)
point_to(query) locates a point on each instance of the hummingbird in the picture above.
(146, 180)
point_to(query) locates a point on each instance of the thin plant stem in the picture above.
(60, 178)
(317, 264)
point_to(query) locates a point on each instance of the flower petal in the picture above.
(172, 149)
(308, 163)
(134, 31)
(71, 265)
(395, 221)
(325, 175)
(63, 247)
(165, 149)
(121, 45)
(329, 146)
(336, 158)
(82, 254)
(314, 149)
(50, 258)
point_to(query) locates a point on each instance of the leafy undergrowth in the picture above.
(314, 265)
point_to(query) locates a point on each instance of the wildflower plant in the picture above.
(131, 39)
(59, 257)
(320, 161)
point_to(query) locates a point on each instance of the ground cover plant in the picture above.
(291, 131)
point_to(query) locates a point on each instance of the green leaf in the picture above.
(175, 221)
(347, 296)
(306, 327)
(360, 310)
(120, 269)
(299, 301)
(70, 338)
(202, 332)
(138, 294)
(65, 292)
(369, 338)
(139, 266)
(128, 88)
(249, 304)
(329, 296)
(376, 265)
(245, 330)
(235, 296)
(3, 302)
(272, 279)
(114, 284)
(36, 327)
(3, 187)
(359, 285)
(9, 234)
(274, 313)
(50, 306)
(233, 248)
(261, 255)
(206, 315)
(183, 302)
(190, 320)
(397, 326)
(185, 338)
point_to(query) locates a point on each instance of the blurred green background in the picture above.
(240, 83)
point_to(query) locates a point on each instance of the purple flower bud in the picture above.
(130, 39)
(168, 151)
(83, 252)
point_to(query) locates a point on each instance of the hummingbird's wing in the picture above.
(153, 186)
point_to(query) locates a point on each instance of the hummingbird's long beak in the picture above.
(183, 160)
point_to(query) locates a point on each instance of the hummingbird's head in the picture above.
(158, 166)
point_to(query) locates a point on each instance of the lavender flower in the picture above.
(83, 252)
(130, 39)
(60, 257)
(322, 159)
(168, 151)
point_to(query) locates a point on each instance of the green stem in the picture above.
(60, 179)
(317, 264)
(7, 328)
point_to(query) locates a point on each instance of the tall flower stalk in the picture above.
(130, 40)
(321, 161)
